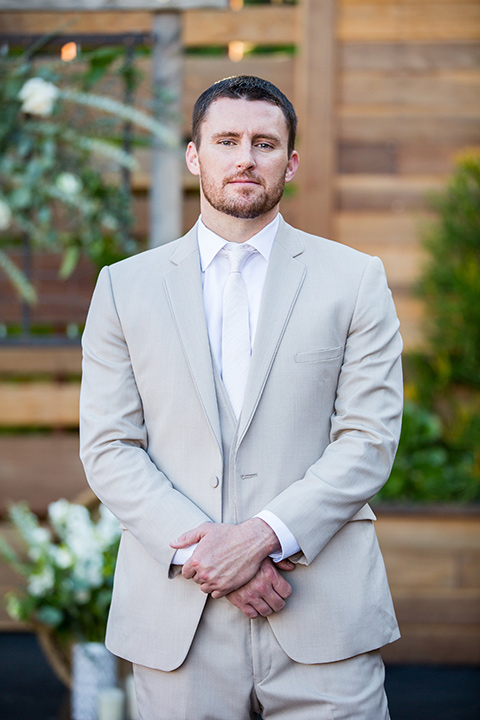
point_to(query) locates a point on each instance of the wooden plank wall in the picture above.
(387, 93)
(433, 566)
(408, 100)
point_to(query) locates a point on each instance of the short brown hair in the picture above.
(244, 87)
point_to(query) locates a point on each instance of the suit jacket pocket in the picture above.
(316, 356)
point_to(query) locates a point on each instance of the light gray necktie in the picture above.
(236, 327)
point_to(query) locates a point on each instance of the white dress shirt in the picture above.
(215, 270)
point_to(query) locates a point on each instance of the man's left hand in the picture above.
(227, 556)
(266, 593)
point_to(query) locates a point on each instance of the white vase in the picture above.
(93, 668)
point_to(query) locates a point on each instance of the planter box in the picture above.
(432, 557)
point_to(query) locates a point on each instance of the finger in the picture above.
(245, 607)
(206, 585)
(276, 580)
(211, 587)
(272, 599)
(249, 611)
(188, 572)
(263, 608)
(219, 592)
(285, 564)
(282, 587)
(188, 538)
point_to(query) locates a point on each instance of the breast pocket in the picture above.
(318, 356)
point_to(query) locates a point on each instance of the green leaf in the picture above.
(21, 198)
(49, 615)
(18, 279)
(70, 259)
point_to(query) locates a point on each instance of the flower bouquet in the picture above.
(68, 567)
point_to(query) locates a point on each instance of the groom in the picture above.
(241, 403)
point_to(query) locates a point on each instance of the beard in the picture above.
(248, 202)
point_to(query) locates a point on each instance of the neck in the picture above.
(233, 229)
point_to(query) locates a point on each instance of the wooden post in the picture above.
(167, 163)
(315, 103)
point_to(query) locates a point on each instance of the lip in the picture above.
(243, 182)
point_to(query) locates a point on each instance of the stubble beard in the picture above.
(248, 203)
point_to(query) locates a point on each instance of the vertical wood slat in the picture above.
(315, 102)
(166, 163)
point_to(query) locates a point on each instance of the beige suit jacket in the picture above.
(316, 439)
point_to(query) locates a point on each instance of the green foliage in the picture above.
(438, 459)
(427, 468)
(67, 569)
(450, 285)
(60, 156)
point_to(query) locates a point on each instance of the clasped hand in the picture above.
(232, 561)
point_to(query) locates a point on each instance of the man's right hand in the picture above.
(266, 592)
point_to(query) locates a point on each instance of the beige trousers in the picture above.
(236, 668)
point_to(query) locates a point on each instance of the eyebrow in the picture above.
(257, 136)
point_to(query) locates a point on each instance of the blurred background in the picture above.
(92, 170)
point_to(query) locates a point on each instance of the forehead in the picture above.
(244, 116)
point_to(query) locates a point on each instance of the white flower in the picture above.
(89, 573)
(40, 536)
(39, 541)
(35, 553)
(75, 528)
(108, 527)
(80, 534)
(58, 512)
(83, 541)
(5, 215)
(38, 96)
(82, 596)
(41, 582)
(63, 557)
(69, 184)
(109, 222)
(88, 568)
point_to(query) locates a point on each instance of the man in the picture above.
(249, 579)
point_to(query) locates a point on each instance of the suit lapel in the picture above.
(283, 282)
(184, 291)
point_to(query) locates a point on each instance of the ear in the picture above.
(292, 166)
(191, 157)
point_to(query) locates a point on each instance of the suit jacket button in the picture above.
(214, 481)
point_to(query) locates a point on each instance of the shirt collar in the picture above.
(209, 243)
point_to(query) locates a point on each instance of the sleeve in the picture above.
(287, 540)
(113, 437)
(365, 425)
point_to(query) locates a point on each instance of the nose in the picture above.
(245, 158)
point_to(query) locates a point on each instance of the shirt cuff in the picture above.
(286, 539)
(183, 554)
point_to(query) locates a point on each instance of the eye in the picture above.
(226, 143)
(264, 146)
